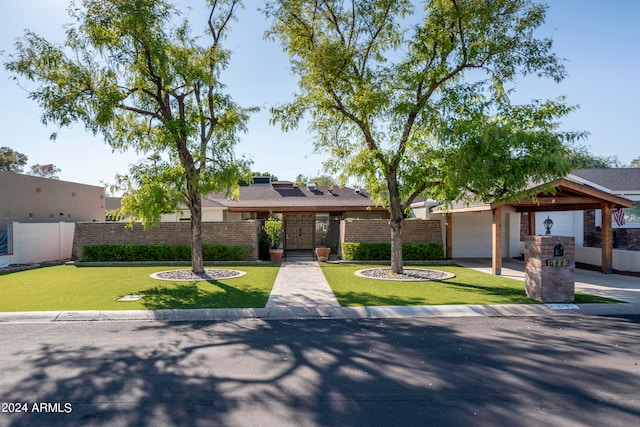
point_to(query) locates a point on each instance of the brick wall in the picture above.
(549, 283)
(379, 231)
(633, 239)
(173, 233)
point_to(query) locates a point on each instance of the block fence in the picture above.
(241, 233)
(379, 231)
(170, 233)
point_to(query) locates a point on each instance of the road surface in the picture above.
(530, 371)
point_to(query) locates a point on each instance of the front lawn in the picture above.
(65, 287)
(468, 287)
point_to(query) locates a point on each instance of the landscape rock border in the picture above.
(408, 275)
(13, 268)
(186, 275)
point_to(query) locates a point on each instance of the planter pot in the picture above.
(322, 253)
(276, 255)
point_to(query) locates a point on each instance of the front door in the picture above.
(299, 231)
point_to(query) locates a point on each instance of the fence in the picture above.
(379, 231)
(38, 242)
(170, 233)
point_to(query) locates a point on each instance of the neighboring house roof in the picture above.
(285, 196)
(617, 180)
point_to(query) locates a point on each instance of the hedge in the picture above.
(111, 253)
(353, 251)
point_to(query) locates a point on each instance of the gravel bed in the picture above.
(408, 274)
(185, 275)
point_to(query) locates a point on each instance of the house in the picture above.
(310, 213)
(37, 216)
(497, 230)
(26, 198)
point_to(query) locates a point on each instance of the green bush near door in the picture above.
(114, 253)
(354, 251)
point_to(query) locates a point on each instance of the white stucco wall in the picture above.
(565, 223)
(39, 242)
(208, 215)
(622, 260)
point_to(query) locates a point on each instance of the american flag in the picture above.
(618, 215)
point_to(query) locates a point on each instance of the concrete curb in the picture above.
(301, 313)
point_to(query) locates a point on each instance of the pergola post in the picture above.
(532, 223)
(496, 246)
(607, 239)
(449, 235)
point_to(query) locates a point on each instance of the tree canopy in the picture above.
(416, 100)
(11, 160)
(133, 72)
(45, 171)
(581, 158)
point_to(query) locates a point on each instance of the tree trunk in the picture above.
(396, 245)
(197, 263)
(396, 222)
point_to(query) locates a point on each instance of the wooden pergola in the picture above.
(565, 196)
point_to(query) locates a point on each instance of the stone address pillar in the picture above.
(550, 275)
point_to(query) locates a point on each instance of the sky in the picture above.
(599, 41)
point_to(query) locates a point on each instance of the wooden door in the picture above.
(299, 231)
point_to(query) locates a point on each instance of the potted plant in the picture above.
(322, 250)
(273, 229)
(322, 253)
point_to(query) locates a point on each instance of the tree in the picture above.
(249, 179)
(45, 171)
(635, 163)
(130, 72)
(322, 180)
(11, 160)
(418, 101)
(581, 158)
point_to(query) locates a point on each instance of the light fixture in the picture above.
(547, 225)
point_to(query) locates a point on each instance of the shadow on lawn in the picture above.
(461, 293)
(196, 295)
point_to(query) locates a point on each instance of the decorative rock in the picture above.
(408, 274)
(185, 275)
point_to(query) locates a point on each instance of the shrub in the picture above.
(113, 253)
(353, 251)
(272, 227)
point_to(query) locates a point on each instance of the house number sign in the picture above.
(562, 262)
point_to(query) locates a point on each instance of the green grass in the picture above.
(66, 287)
(468, 287)
(98, 288)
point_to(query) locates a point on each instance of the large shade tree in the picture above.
(416, 99)
(133, 72)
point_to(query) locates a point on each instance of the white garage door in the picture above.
(472, 235)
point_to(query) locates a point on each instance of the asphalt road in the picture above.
(533, 371)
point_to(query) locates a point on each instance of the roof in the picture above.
(618, 180)
(568, 195)
(284, 196)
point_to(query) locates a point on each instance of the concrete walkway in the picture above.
(301, 284)
(616, 286)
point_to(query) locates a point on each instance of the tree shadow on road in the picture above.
(327, 373)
